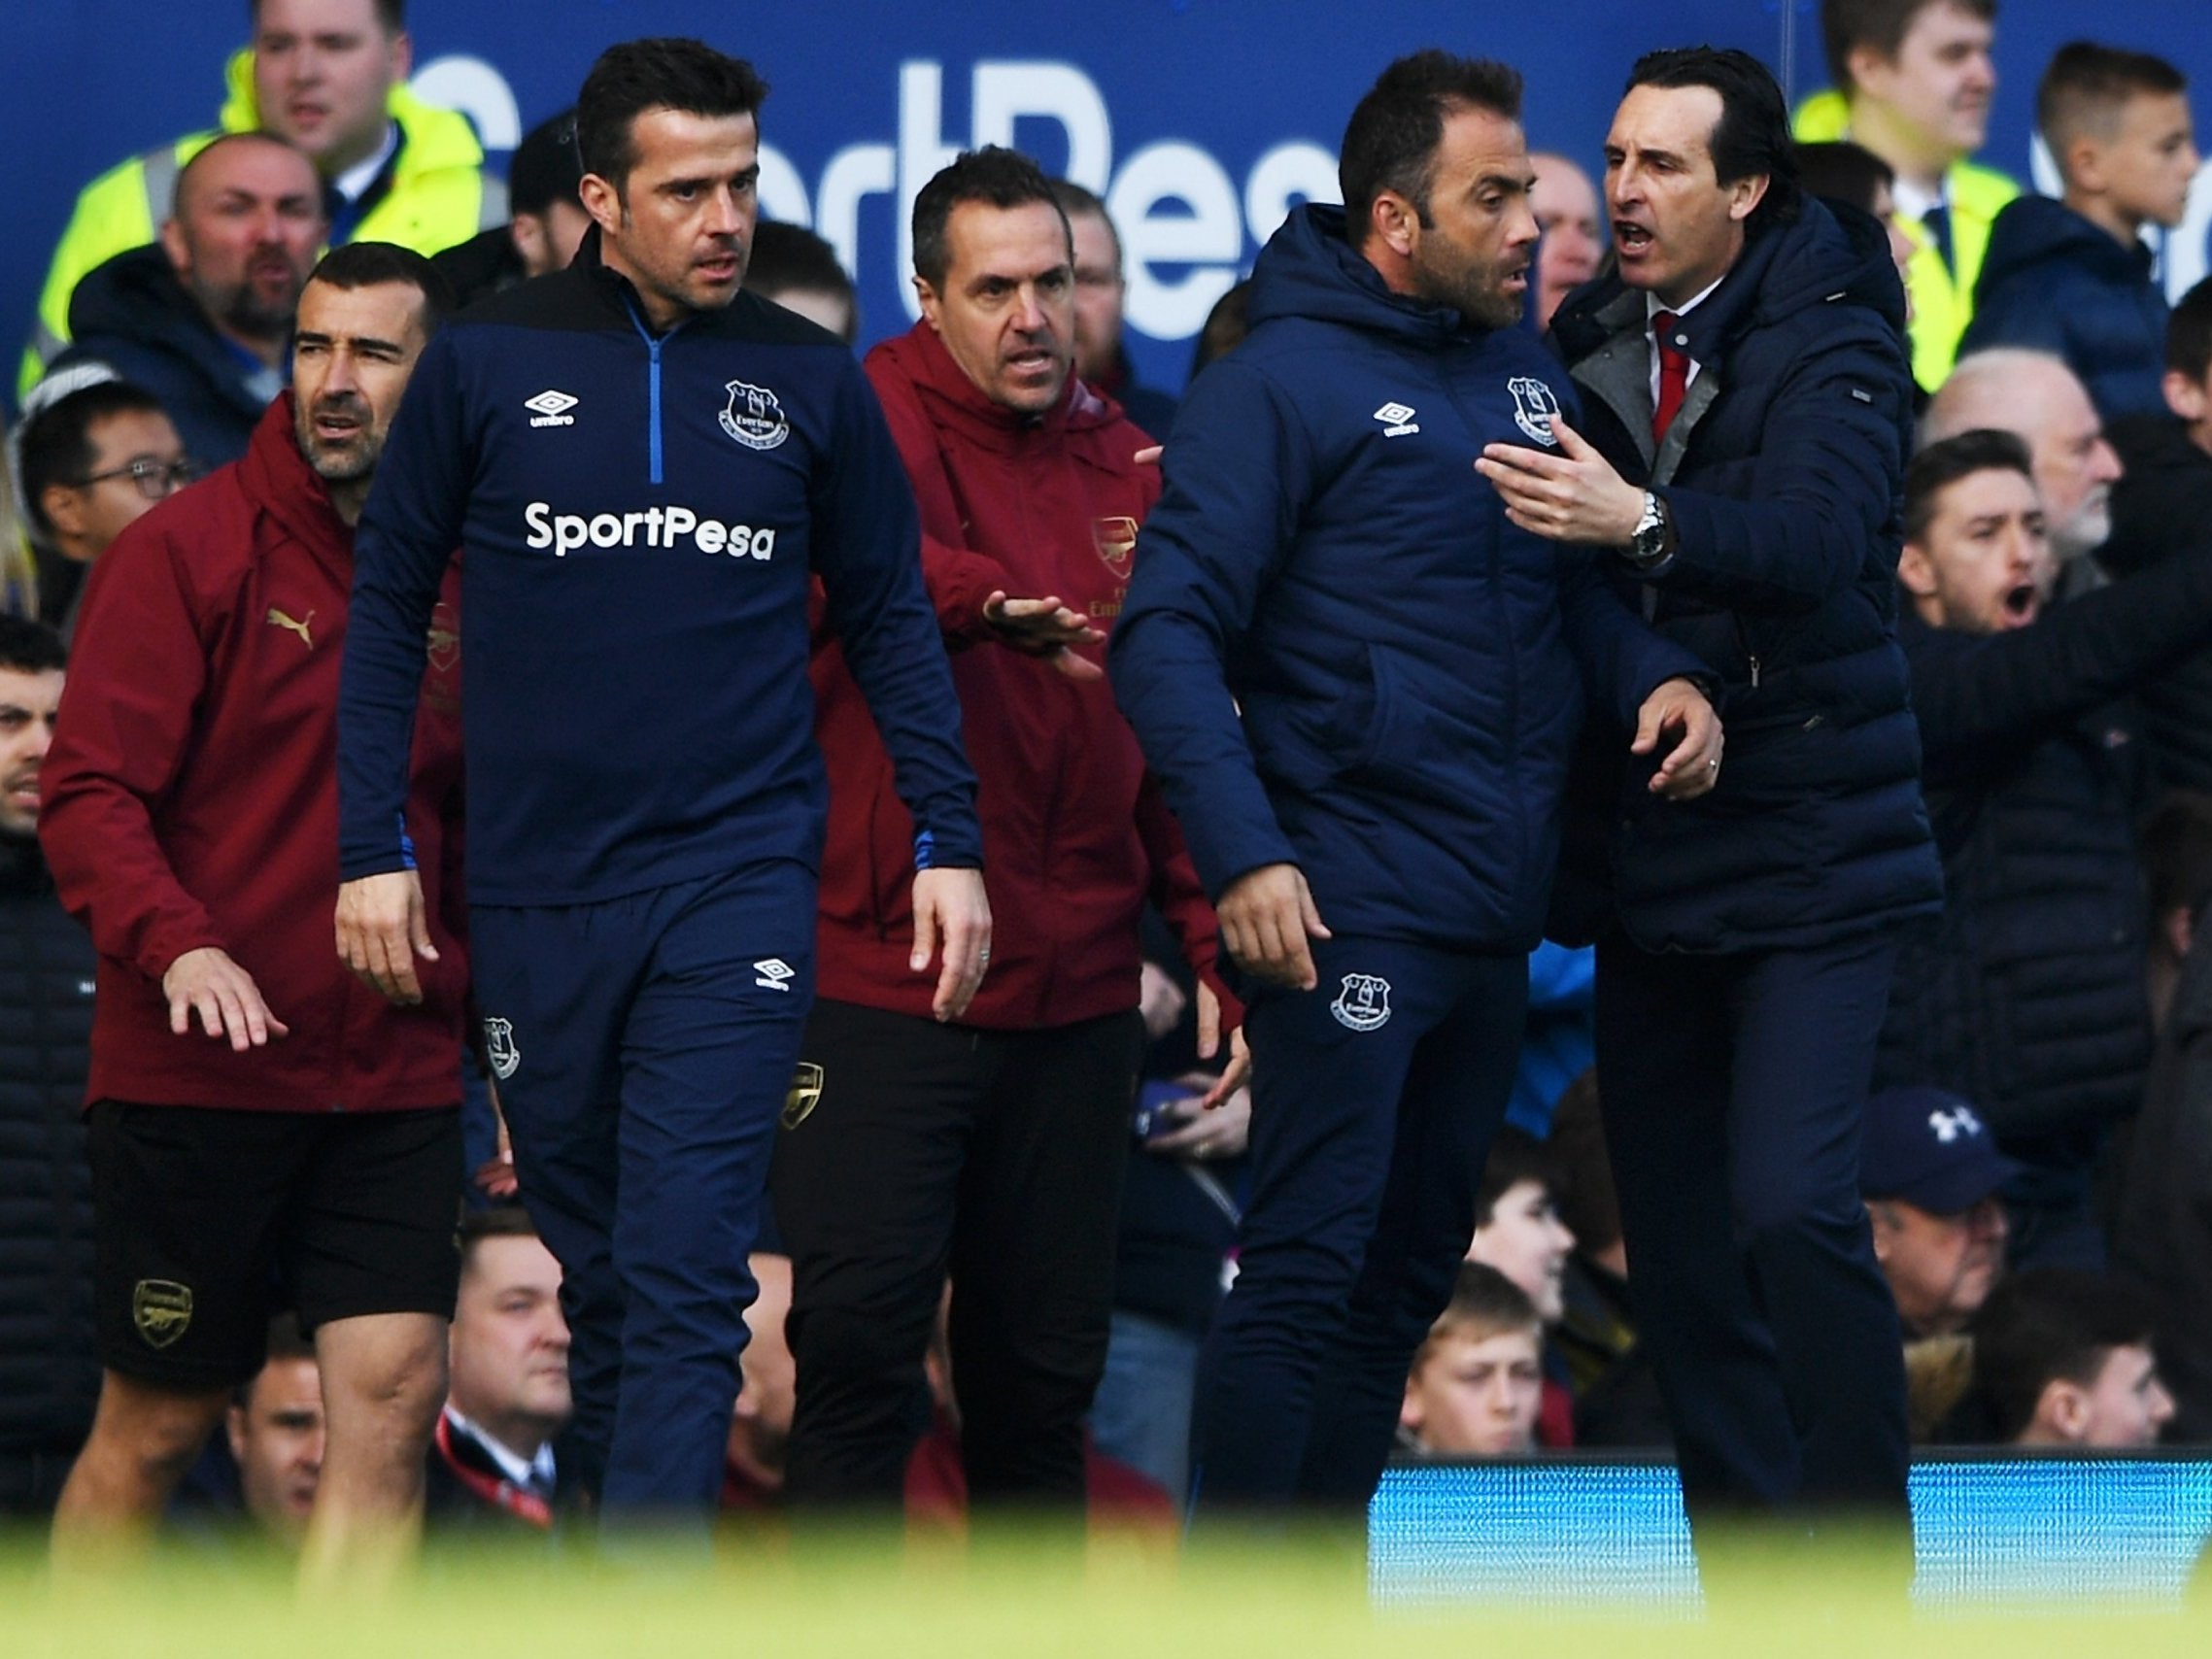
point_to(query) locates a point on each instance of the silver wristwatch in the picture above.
(1653, 537)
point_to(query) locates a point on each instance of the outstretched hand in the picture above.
(1574, 495)
(1045, 627)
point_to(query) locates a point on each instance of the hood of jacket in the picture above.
(1308, 270)
(954, 400)
(1829, 253)
(2036, 230)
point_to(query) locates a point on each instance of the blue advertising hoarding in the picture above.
(1200, 121)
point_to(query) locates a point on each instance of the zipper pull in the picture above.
(1754, 673)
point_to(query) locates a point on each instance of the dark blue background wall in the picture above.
(1198, 118)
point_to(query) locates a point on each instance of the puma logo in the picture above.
(277, 619)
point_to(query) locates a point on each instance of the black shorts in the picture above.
(208, 1222)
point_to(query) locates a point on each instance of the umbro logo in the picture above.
(552, 409)
(775, 973)
(1397, 419)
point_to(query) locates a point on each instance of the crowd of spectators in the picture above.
(2037, 1162)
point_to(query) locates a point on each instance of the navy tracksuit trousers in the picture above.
(643, 1048)
(1732, 1089)
(1375, 1099)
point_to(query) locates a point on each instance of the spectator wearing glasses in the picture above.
(94, 460)
(202, 316)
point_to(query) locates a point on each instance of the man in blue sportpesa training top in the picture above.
(646, 470)
(1378, 828)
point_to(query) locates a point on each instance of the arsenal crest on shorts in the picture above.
(805, 1093)
(161, 1310)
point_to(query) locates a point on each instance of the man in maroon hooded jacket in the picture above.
(303, 1144)
(993, 1147)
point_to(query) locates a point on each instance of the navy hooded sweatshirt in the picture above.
(2055, 282)
(1337, 651)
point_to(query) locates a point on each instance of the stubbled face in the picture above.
(1099, 295)
(323, 71)
(277, 1439)
(1675, 227)
(130, 437)
(2126, 1405)
(249, 219)
(1941, 80)
(350, 364)
(2150, 158)
(1474, 252)
(1477, 1396)
(759, 1428)
(1940, 1267)
(1566, 208)
(1525, 1240)
(510, 1344)
(1007, 307)
(1983, 565)
(28, 704)
(681, 226)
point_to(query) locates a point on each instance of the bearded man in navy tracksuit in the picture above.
(645, 467)
(1378, 829)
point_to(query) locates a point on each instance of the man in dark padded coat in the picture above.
(1748, 408)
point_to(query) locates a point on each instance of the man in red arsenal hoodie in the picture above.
(993, 1147)
(262, 1126)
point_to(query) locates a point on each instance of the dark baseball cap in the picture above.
(1930, 1148)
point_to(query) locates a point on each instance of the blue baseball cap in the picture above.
(1930, 1148)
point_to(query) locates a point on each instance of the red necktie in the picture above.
(1674, 373)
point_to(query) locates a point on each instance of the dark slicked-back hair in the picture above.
(30, 647)
(1881, 25)
(1391, 141)
(662, 73)
(1843, 172)
(1936, 468)
(57, 441)
(371, 264)
(390, 15)
(1751, 137)
(2046, 1325)
(1003, 178)
(2085, 86)
(2188, 332)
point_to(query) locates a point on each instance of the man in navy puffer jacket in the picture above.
(1747, 360)
(1359, 687)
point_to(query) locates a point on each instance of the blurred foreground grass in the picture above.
(1280, 1596)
